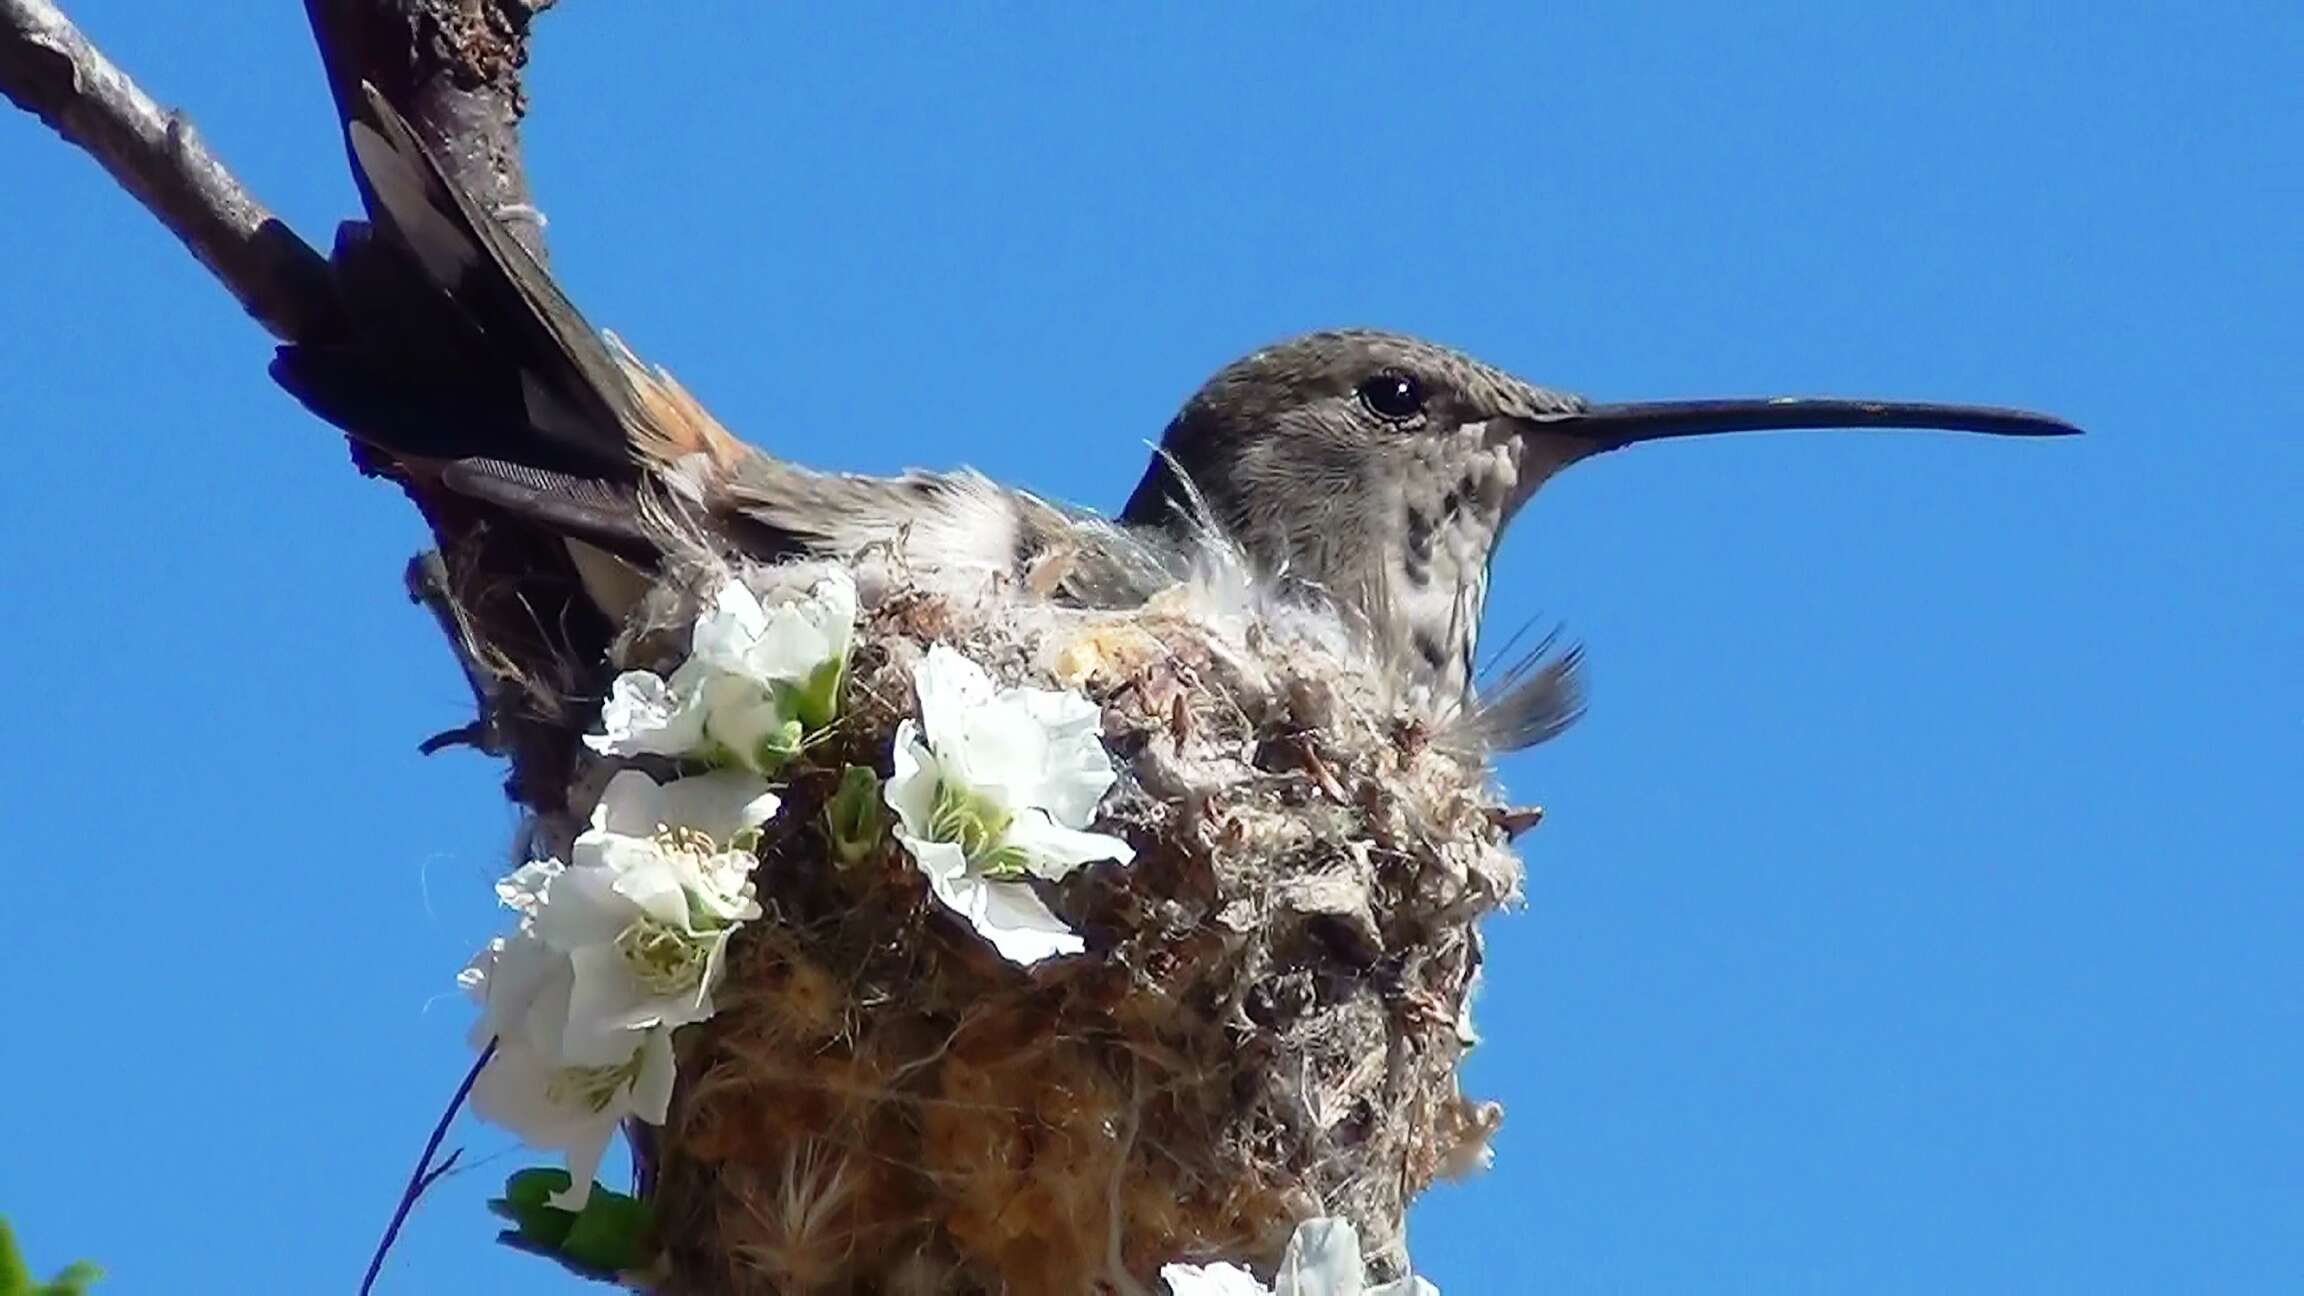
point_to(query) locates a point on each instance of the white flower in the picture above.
(574, 1109)
(1323, 1259)
(639, 823)
(529, 1090)
(661, 879)
(517, 981)
(647, 715)
(992, 784)
(612, 954)
(801, 644)
(1008, 914)
(755, 680)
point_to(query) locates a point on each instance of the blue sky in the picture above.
(1920, 907)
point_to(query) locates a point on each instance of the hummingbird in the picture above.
(1367, 469)
(1385, 469)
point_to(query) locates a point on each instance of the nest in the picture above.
(1266, 1025)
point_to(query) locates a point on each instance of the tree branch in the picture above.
(452, 67)
(515, 611)
(50, 70)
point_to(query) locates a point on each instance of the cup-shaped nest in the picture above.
(1265, 1025)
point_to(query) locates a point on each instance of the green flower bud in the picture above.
(817, 700)
(777, 749)
(853, 818)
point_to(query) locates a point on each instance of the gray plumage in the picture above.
(1369, 470)
(1394, 515)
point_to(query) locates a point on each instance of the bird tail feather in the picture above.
(477, 359)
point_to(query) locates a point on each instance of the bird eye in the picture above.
(1393, 395)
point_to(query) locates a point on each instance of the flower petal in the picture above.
(804, 634)
(514, 1091)
(719, 804)
(911, 788)
(1006, 914)
(646, 714)
(632, 805)
(741, 715)
(1052, 851)
(1323, 1259)
(998, 750)
(539, 1026)
(606, 1008)
(585, 1148)
(523, 889)
(648, 880)
(583, 907)
(1220, 1279)
(949, 686)
(1021, 747)
(520, 987)
(1075, 770)
(474, 979)
(518, 1090)
(549, 1106)
(726, 632)
(651, 1095)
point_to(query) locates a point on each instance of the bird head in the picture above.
(1310, 452)
(1383, 468)
(1294, 445)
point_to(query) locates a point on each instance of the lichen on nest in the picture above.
(1265, 1025)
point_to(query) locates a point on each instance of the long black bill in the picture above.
(1627, 422)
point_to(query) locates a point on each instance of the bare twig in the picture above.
(50, 70)
(427, 578)
(423, 1175)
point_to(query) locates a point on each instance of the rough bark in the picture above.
(50, 70)
(451, 66)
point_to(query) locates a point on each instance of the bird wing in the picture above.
(462, 361)
(529, 380)
(466, 366)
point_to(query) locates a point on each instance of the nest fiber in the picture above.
(1265, 1026)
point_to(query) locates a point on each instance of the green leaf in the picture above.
(612, 1233)
(74, 1281)
(16, 1276)
(525, 1203)
(535, 1185)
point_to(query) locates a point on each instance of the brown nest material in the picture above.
(1265, 1026)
